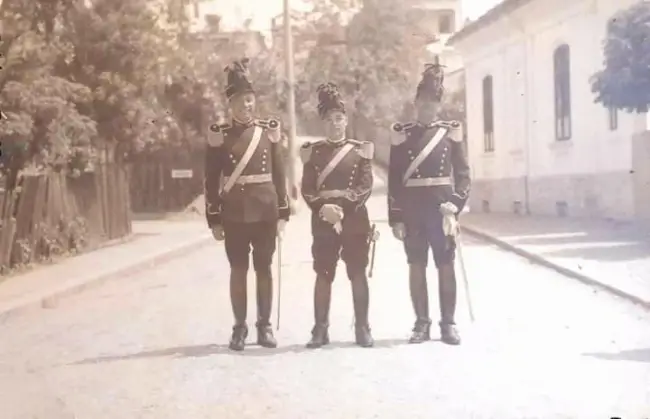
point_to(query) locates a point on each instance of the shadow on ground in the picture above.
(198, 351)
(604, 253)
(635, 355)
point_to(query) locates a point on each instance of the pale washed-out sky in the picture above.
(261, 11)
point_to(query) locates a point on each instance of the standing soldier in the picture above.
(246, 200)
(336, 183)
(424, 203)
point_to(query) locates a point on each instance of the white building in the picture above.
(537, 140)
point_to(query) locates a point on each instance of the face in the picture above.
(427, 111)
(243, 106)
(335, 124)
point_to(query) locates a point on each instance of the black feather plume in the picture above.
(238, 76)
(431, 86)
(329, 99)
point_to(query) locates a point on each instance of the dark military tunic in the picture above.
(250, 210)
(349, 186)
(443, 176)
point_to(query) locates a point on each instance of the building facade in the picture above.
(537, 141)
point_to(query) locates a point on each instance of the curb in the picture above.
(557, 268)
(50, 300)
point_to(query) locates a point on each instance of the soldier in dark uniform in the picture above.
(336, 183)
(428, 186)
(246, 200)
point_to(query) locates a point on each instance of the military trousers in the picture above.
(328, 248)
(428, 234)
(241, 238)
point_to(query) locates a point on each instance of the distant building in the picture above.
(207, 27)
(537, 140)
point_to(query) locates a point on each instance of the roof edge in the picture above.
(488, 18)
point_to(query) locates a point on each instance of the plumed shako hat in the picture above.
(329, 99)
(431, 86)
(238, 78)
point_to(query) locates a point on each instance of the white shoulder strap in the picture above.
(239, 169)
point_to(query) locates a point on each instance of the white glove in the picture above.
(447, 208)
(281, 225)
(450, 225)
(331, 213)
(399, 231)
(218, 234)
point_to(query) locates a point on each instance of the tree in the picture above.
(624, 82)
(123, 52)
(43, 127)
(376, 62)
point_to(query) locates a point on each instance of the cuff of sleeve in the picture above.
(459, 201)
(394, 217)
(315, 204)
(213, 220)
(284, 213)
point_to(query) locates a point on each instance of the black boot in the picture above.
(238, 338)
(322, 299)
(361, 297)
(238, 300)
(265, 336)
(420, 300)
(447, 294)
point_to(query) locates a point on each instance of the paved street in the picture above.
(614, 254)
(153, 346)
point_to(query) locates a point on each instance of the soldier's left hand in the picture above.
(331, 213)
(447, 208)
(450, 226)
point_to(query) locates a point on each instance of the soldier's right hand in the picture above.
(399, 231)
(218, 234)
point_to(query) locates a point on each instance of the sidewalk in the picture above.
(613, 256)
(152, 242)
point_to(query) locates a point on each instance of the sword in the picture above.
(277, 325)
(374, 236)
(461, 262)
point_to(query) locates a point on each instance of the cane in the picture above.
(277, 325)
(459, 249)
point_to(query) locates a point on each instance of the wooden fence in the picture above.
(52, 214)
(160, 185)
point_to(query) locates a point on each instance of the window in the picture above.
(488, 115)
(613, 118)
(446, 22)
(562, 79)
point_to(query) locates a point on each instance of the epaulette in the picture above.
(456, 134)
(306, 149)
(399, 138)
(305, 152)
(366, 149)
(272, 127)
(215, 134)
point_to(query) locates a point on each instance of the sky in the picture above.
(261, 11)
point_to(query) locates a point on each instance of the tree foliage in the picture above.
(82, 80)
(376, 59)
(624, 82)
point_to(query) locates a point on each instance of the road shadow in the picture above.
(635, 355)
(604, 253)
(581, 238)
(200, 351)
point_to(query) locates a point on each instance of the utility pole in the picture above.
(291, 103)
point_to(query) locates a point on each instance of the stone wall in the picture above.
(602, 195)
(641, 175)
